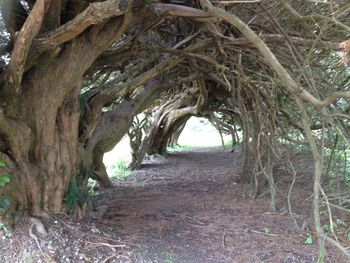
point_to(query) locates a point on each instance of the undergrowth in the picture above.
(5, 201)
(180, 148)
(120, 171)
(78, 193)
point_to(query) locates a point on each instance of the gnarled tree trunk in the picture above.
(174, 138)
(169, 118)
(40, 109)
(114, 125)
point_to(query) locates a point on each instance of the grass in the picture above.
(120, 171)
(117, 160)
(180, 148)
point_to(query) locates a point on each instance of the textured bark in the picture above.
(136, 134)
(170, 117)
(114, 125)
(40, 106)
(219, 124)
(40, 112)
(19, 54)
(174, 138)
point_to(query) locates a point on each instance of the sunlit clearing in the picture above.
(120, 155)
(200, 132)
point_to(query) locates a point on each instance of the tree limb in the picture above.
(278, 39)
(23, 42)
(313, 17)
(264, 50)
(178, 10)
(95, 13)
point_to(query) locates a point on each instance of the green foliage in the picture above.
(72, 196)
(78, 193)
(4, 179)
(336, 225)
(180, 148)
(4, 204)
(267, 230)
(121, 170)
(8, 230)
(91, 185)
(309, 240)
(2, 164)
(340, 223)
(5, 201)
(338, 168)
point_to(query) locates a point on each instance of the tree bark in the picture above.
(169, 118)
(114, 125)
(39, 119)
(174, 138)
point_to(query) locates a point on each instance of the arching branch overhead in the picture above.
(74, 74)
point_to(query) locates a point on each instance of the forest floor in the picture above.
(187, 207)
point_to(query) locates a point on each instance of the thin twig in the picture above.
(290, 192)
(109, 258)
(263, 233)
(91, 244)
(223, 240)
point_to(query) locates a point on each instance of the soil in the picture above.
(186, 207)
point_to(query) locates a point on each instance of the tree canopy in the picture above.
(74, 74)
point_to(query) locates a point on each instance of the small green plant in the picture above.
(73, 195)
(340, 223)
(4, 177)
(7, 230)
(5, 202)
(121, 170)
(91, 185)
(267, 230)
(309, 240)
(337, 224)
(168, 258)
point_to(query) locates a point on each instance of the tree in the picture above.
(53, 100)
(51, 48)
(75, 73)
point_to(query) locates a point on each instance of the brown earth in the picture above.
(187, 207)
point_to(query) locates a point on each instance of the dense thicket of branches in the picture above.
(74, 74)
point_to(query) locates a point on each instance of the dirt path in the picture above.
(188, 208)
(185, 208)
